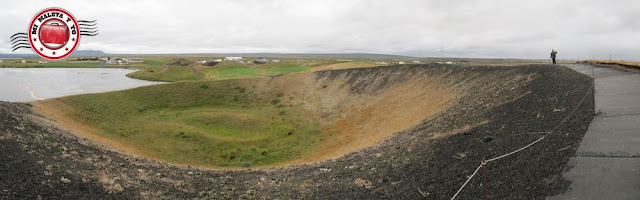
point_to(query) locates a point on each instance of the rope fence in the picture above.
(484, 162)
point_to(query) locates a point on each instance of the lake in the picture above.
(29, 84)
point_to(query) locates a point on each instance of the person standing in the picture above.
(553, 56)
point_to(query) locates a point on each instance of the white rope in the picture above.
(544, 136)
(525, 147)
(516, 151)
(465, 183)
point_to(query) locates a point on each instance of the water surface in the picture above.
(29, 84)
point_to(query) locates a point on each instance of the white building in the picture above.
(275, 60)
(233, 58)
(0, 61)
(23, 61)
(401, 63)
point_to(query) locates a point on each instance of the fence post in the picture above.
(484, 178)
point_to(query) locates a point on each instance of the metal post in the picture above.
(484, 179)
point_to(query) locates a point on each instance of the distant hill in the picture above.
(89, 53)
(346, 56)
(76, 53)
(284, 55)
(23, 55)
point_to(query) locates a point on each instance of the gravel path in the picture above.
(606, 166)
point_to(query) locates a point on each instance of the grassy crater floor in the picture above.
(293, 119)
(199, 123)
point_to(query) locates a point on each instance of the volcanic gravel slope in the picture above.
(499, 110)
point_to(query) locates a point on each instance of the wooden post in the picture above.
(484, 179)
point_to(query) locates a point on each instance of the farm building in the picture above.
(261, 60)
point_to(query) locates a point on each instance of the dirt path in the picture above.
(40, 160)
(198, 75)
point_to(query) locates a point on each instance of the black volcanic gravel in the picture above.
(38, 160)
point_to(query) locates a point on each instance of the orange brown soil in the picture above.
(361, 120)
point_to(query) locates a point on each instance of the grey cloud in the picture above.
(463, 28)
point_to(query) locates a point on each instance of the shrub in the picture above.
(141, 108)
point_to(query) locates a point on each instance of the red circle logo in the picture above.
(54, 33)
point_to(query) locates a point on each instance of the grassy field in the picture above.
(213, 123)
(221, 71)
(165, 73)
(229, 70)
(614, 62)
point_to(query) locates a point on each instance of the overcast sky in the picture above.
(452, 28)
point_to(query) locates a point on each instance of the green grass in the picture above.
(151, 62)
(167, 73)
(221, 125)
(244, 71)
